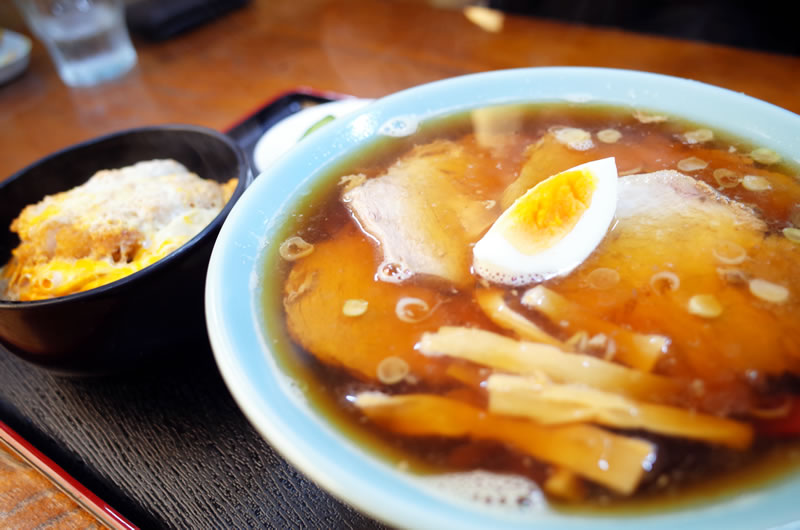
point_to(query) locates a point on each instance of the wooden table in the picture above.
(35, 492)
(219, 72)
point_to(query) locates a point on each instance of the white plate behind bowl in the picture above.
(272, 401)
(287, 132)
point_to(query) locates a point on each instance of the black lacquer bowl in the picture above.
(151, 314)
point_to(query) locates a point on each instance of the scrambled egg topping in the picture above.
(118, 222)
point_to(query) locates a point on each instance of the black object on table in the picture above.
(754, 25)
(167, 446)
(158, 20)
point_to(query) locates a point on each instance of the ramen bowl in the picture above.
(151, 314)
(247, 341)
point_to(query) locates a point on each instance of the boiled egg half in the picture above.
(552, 228)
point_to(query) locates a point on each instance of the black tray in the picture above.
(167, 447)
(250, 128)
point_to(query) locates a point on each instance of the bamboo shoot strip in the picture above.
(527, 358)
(615, 461)
(637, 350)
(492, 303)
(565, 484)
(554, 404)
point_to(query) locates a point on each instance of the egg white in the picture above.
(497, 260)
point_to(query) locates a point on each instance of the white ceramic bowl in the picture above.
(15, 53)
(271, 399)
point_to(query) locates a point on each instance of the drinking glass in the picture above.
(87, 39)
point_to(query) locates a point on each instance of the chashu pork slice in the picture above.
(662, 197)
(675, 238)
(424, 214)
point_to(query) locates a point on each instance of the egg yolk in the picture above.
(549, 211)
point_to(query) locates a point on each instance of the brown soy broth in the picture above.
(642, 148)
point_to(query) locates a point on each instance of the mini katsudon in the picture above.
(117, 223)
(601, 301)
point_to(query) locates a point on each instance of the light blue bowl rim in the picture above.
(271, 401)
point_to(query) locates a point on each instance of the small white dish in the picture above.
(15, 52)
(286, 133)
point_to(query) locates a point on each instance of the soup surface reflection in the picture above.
(598, 301)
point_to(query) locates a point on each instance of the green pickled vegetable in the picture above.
(327, 119)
